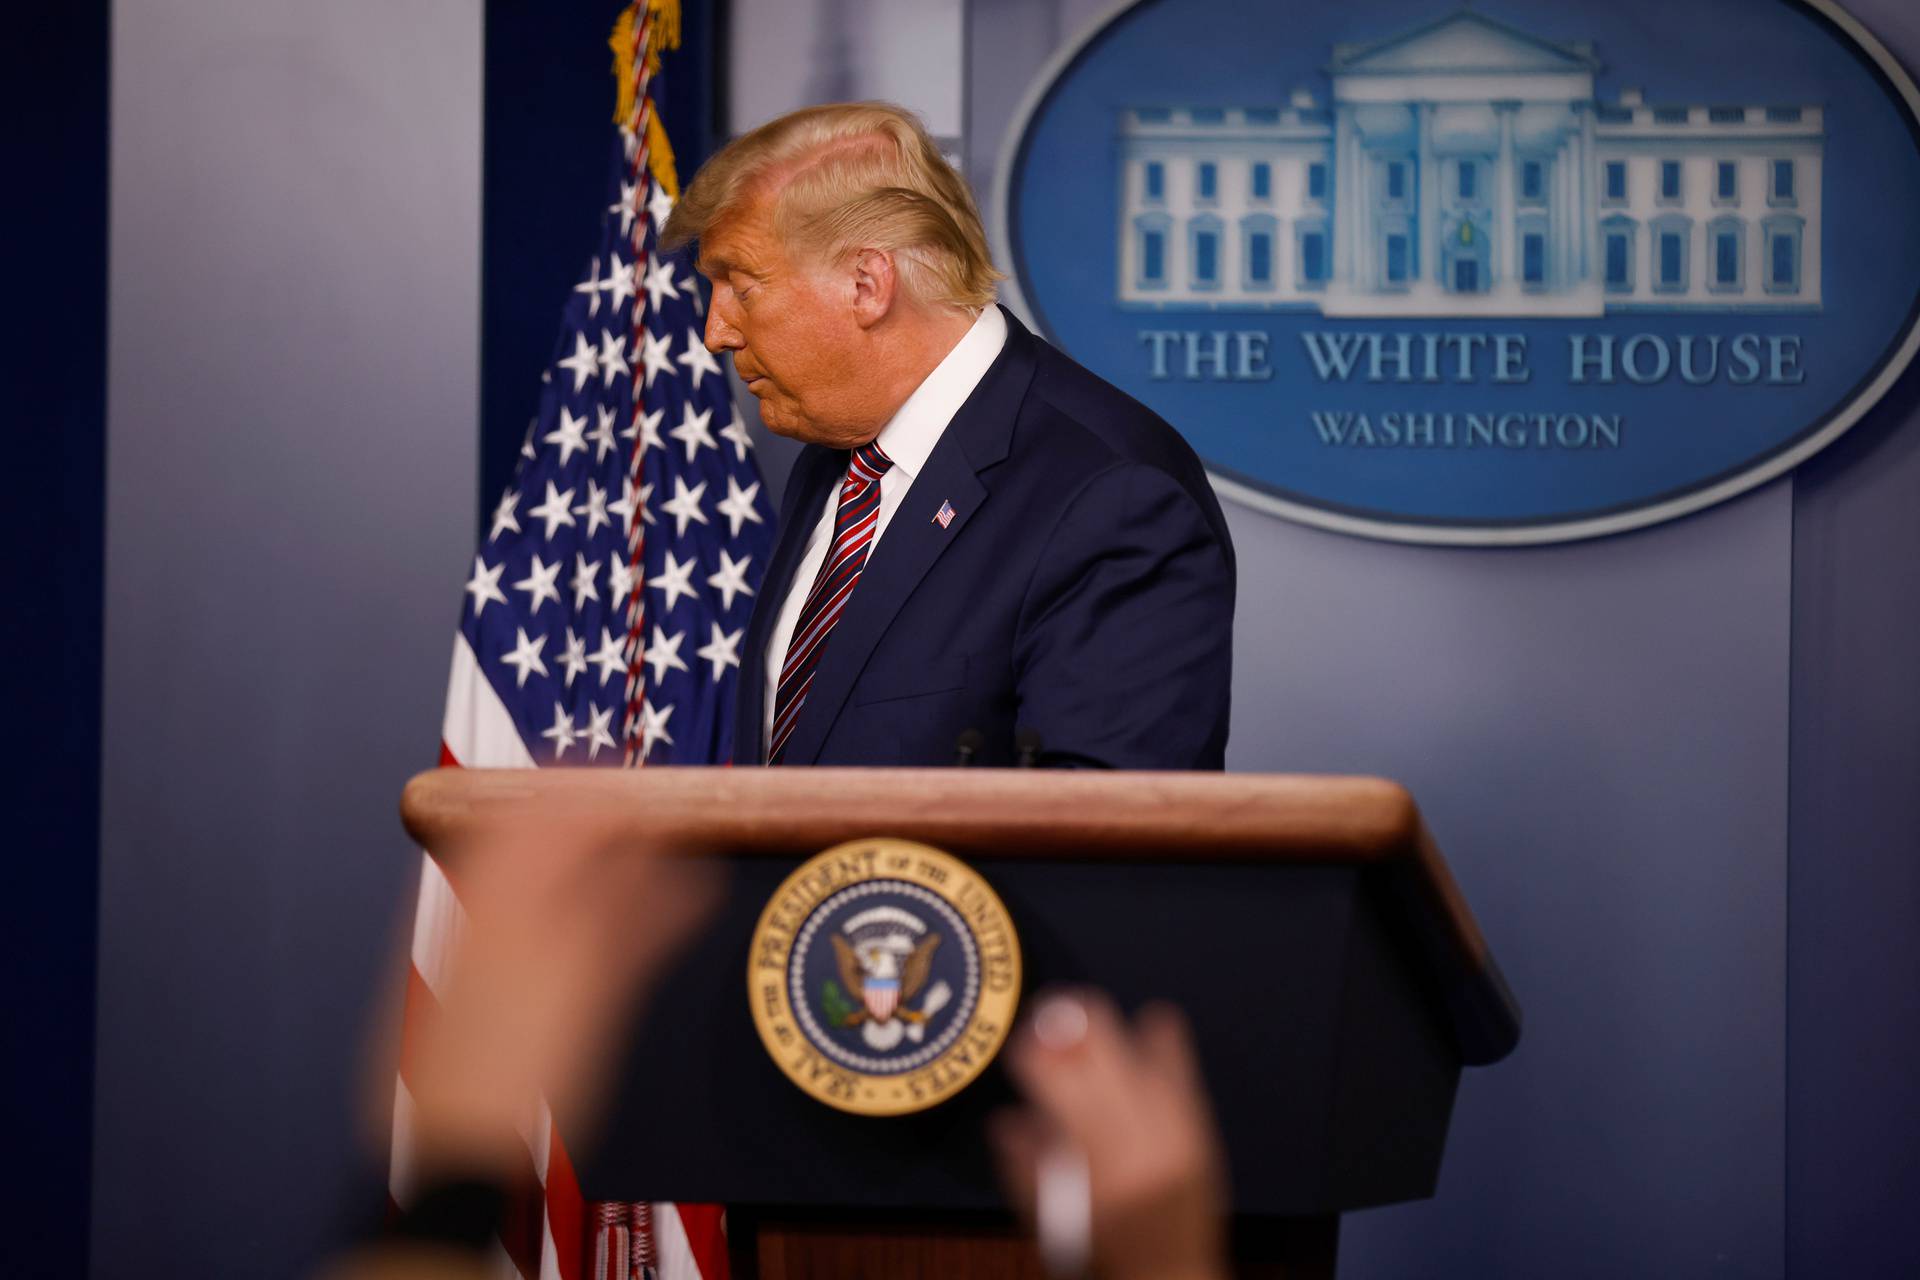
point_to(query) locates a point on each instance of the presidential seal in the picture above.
(884, 976)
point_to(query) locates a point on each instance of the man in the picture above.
(983, 543)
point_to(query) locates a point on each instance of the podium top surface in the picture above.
(1367, 823)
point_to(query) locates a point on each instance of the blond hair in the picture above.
(848, 176)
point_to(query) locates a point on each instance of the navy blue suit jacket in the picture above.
(1084, 590)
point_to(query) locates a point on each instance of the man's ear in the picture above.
(875, 286)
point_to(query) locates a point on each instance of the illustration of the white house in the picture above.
(1466, 168)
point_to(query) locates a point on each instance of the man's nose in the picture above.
(721, 336)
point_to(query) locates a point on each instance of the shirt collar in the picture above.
(916, 427)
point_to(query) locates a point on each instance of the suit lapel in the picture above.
(814, 472)
(978, 438)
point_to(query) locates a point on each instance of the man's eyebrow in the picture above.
(715, 266)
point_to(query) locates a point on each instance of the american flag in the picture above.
(604, 614)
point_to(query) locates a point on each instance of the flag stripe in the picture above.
(704, 1228)
(674, 1255)
(478, 731)
(437, 920)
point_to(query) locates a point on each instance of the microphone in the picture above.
(967, 746)
(1026, 748)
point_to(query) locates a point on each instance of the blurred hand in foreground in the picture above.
(565, 931)
(1130, 1100)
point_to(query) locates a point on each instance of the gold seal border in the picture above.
(857, 862)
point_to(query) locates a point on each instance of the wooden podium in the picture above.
(1335, 979)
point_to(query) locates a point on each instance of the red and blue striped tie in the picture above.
(853, 526)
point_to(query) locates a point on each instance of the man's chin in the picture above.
(777, 419)
(782, 419)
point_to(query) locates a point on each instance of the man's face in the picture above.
(790, 326)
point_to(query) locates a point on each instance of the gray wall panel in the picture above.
(1854, 1008)
(295, 240)
(1853, 1132)
(1598, 734)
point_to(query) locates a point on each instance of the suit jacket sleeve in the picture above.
(1124, 645)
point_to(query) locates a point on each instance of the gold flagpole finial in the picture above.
(643, 29)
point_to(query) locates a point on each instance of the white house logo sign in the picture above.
(1512, 273)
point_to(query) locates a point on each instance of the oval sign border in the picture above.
(1895, 358)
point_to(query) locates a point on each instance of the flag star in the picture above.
(538, 584)
(731, 581)
(619, 281)
(570, 435)
(674, 579)
(619, 577)
(735, 433)
(659, 205)
(655, 355)
(503, 515)
(738, 507)
(526, 445)
(698, 359)
(573, 659)
(610, 657)
(684, 505)
(624, 206)
(693, 431)
(723, 650)
(525, 657)
(599, 731)
(595, 509)
(591, 287)
(584, 573)
(557, 510)
(653, 727)
(647, 427)
(484, 585)
(583, 363)
(630, 501)
(692, 290)
(601, 437)
(562, 734)
(629, 141)
(613, 356)
(663, 655)
(659, 284)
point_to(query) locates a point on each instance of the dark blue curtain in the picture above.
(53, 88)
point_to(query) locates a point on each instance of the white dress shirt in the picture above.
(908, 438)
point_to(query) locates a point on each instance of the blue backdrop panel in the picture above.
(53, 83)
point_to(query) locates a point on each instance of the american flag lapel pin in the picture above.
(944, 516)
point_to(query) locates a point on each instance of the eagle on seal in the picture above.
(884, 979)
